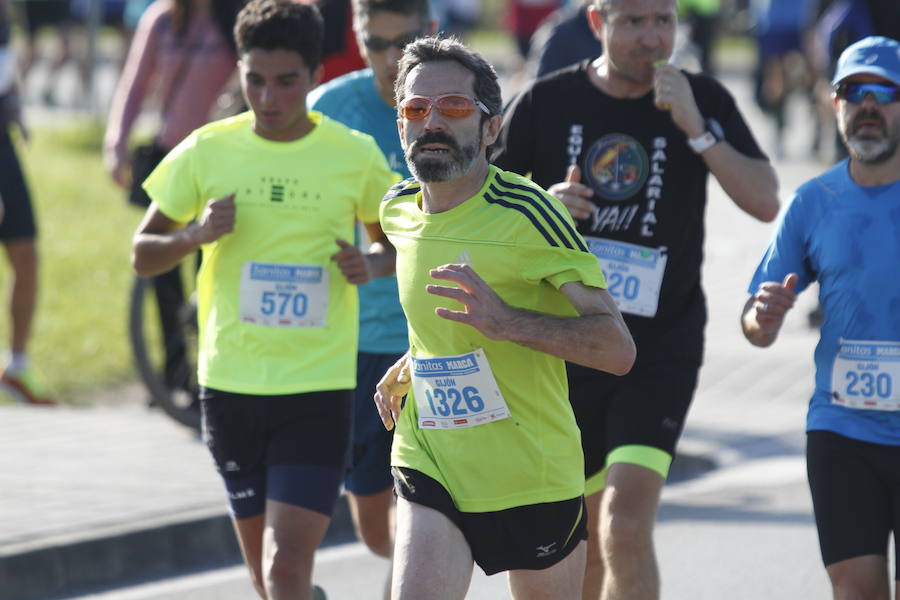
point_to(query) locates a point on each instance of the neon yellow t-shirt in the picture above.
(523, 243)
(276, 315)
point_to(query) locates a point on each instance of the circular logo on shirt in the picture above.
(616, 166)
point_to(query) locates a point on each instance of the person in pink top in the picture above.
(183, 55)
(183, 52)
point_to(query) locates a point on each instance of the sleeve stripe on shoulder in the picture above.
(407, 192)
(525, 212)
(404, 183)
(541, 204)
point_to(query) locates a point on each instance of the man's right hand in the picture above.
(390, 391)
(574, 194)
(765, 310)
(772, 301)
(217, 220)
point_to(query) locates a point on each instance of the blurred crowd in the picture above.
(797, 42)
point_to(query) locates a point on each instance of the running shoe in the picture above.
(25, 388)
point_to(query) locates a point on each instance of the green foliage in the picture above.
(79, 339)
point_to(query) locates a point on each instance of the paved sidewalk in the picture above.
(98, 496)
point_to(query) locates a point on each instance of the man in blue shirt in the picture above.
(842, 229)
(364, 100)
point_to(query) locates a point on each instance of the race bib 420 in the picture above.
(633, 274)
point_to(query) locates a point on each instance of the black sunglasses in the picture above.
(379, 44)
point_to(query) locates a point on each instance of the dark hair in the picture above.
(363, 9)
(280, 25)
(433, 49)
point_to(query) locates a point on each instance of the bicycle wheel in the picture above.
(172, 384)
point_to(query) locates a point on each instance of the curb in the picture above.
(149, 550)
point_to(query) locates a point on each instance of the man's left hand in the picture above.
(485, 310)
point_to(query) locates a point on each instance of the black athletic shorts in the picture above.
(18, 217)
(855, 489)
(292, 448)
(636, 418)
(535, 537)
(370, 470)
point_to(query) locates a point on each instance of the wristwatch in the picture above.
(710, 137)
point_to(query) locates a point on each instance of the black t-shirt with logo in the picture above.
(649, 191)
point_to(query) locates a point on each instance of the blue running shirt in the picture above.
(353, 100)
(847, 237)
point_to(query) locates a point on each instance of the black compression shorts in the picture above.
(636, 418)
(291, 448)
(855, 489)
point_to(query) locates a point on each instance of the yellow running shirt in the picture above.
(276, 315)
(523, 243)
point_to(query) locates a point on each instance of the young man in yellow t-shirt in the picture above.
(273, 195)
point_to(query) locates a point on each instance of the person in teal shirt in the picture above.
(364, 100)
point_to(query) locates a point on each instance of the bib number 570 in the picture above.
(282, 302)
(444, 402)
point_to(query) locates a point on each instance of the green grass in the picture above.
(79, 340)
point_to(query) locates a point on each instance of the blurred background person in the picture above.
(523, 18)
(562, 39)
(183, 50)
(17, 232)
(340, 52)
(36, 16)
(782, 30)
(701, 17)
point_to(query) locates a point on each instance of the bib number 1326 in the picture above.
(453, 401)
(454, 392)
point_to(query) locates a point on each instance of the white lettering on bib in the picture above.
(454, 392)
(282, 295)
(865, 374)
(633, 274)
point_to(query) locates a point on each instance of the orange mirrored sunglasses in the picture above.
(455, 106)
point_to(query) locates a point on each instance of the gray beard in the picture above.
(869, 152)
(438, 171)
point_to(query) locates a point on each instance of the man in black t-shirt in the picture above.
(626, 142)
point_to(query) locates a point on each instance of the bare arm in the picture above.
(160, 243)
(131, 89)
(598, 338)
(764, 312)
(750, 182)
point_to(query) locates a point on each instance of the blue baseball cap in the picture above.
(875, 55)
